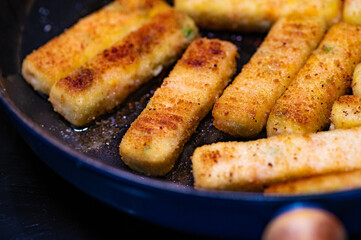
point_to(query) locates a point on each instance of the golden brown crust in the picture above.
(121, 54)
(250, 166)
(318, 185)
(201, 56)
(346, 112)
(156, 137)
(244, 107)
(139, 4)
(306, 104)
(89, 36)
(255, 15)
(107, 79)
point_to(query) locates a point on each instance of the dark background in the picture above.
(35, 203)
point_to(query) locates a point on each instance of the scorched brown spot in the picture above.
(138, 43)
(120, 52)
(78, 81)
(212, 155)
(204, 54)
(160, 121)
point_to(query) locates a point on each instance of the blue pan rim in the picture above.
(147, 182)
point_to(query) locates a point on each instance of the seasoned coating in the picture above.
(254, 164)
(156, 138)
(346, 112)
(352, 11)
(106, 80)
(243, 108)
(89, 36)
(327, 183)
(356, 80)
(255, 15)
(306, 105)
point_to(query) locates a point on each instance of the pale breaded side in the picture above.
(89, 36)
(346, 112)
(249, 166)
(306, 105)
(243, 108)
(327, 183)
(352, 11)
(155, 139)
(356, 80)
(106, 80)
(255, 15)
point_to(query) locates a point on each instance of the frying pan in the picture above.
(89, 159)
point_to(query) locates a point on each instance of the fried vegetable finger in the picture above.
(317, 185)
(243, 108)
(106, 80)
(249, 166)
(155, 139)
(306, 105)
(352, 11)
(255, 15)
(356, 81)
(89, 36)
(346, 112)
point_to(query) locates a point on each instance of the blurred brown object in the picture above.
(305, 223)
(255, 15)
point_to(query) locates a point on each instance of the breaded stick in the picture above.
(251, 165)
(306, 105)
(255, 15)
(106, 80)
(356, 80)
(156, 138)
(352, 11)
(327, 183)
(89, 36)
(243, 108)
(346, 112)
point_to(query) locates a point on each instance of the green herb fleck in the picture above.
(187, 32)
(326, 48)
(146, 149)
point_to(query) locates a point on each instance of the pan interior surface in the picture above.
(101, 138)
(99, 141)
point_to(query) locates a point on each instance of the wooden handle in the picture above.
(305, 223)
